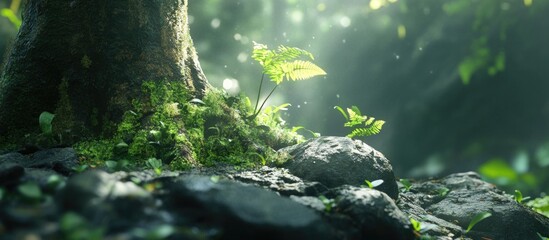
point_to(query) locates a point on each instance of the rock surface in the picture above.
(465, 195)
(336, 161)
(41, 201)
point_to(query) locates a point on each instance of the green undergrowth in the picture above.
(184, 132)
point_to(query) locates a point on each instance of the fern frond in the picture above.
(369, 130)
(290, 53)
(355, 117)
(262, 54)
(280, 63)
(301, 70)
(340, 109)
(356, 110)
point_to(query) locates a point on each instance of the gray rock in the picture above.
(245, 211)
(336, 161)
(467, 196)
(99, 196)
(312, 202)
(375, 213)
(10, 173)
(62, 160)
(279, 180)
(14, 158)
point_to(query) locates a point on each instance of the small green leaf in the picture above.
(2, 193)
(54, 181)
(154, 163)
(215, 178)
(122, 144)
(30, 190)
(156, 134)
(540, 205)
(342, 112)
(415, 224)
(282, 107)
(45, 120)
(368, 184)
(161, 232)
(476, 219)
(443, 191)
(111, 164)
(407, 184)
(328, 203)
(498, 169)
(10, 15)
(80, 168)
(296, 128)
(518, 196)
(197, 101)
(71, 221)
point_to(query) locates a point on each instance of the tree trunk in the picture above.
(86, 61)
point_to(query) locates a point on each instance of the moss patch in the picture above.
(168, 124)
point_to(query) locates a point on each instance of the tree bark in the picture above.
(86, 61)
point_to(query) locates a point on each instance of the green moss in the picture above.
(168, 124)
(95, 152)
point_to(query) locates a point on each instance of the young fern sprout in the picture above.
(362, 125)
(281, 64)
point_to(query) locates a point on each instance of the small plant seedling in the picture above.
(157, 232)
(117, 165)
(280, 64)
(542, 237)
(74, 226)
(407, 184)
(363, 126)
(297, 128)
(372, 184)
(215, 178)
(328, 203)
(55, 182)
(540, 205)
(155, 164)
(30, 191)
(518, 196)
(259, 156)
(111, 165)
(45, 120)
(11, 15)
(442, 192)
(80, 168)
(476, 219)
(415, 224)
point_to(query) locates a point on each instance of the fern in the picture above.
(281, 64)
(373, 128)
(370, 126)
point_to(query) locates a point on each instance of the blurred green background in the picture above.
(462, 84)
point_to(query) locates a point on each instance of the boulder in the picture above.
(466, 195)
(98, 196)
(280, 181)
(336, 161)
(375, 214)
(61, 160)
(244, 211)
